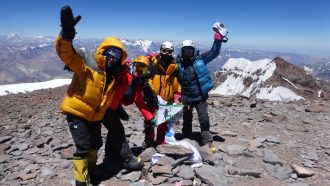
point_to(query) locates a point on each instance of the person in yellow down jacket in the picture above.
(90, 94)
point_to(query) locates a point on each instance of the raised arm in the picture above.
(220, 36)
(64, 47)
(213, 53)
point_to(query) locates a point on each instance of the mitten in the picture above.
(68, 23)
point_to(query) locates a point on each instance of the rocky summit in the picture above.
(258, 142)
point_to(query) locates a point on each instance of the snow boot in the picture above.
(81, 176)
(207, 139)
(129, 161)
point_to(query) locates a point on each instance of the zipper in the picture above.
(169, 87)
(160, 85)
(97, 109)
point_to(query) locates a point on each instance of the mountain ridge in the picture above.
(33, 58)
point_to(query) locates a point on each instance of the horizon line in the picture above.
(292, 49)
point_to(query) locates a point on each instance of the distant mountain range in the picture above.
(321, 70)
(33, 58)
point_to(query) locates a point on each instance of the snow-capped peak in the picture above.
(144, 44)
(247, 78)
(261, 69)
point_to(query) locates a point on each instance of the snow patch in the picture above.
(277, 94)
(308, 70)
(83, 49)
(232, 86)
(29, 87)
(320, 94)
(290, 82)
(42, 45)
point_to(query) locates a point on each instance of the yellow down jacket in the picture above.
(165, 83)
(86, 95)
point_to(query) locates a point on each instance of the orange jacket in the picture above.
(165, 83)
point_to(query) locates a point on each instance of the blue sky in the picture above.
(300, 26)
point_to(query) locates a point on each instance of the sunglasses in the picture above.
(140, 68)
(167, 51)
(113, 54)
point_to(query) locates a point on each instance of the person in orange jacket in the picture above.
(96, 87)
(165, 83)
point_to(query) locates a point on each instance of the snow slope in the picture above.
(239, 70)
(29, 87)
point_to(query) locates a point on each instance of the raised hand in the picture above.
(68, 23)
(220, 31)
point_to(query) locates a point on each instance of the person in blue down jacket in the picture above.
(196, 82)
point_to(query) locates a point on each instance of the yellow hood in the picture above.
(107, 43)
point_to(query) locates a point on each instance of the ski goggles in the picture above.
(140, 68)
(167, 51)
(113, 54)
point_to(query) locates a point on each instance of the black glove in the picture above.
(122, 114)
(149, 96)
(68, 22)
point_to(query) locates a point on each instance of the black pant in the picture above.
(203, 117)
(115, 137)
(86, 135)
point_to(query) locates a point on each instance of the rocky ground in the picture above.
(259, 143)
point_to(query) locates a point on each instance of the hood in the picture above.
(144, 60)
(107, 43)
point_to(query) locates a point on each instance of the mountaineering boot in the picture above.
(207, 139)
(147, 143)
(129, 161)
(92, 159)
(161, 131)
(81, 176)
(187, 130)
(149, 138)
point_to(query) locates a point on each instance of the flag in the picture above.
(168, 113)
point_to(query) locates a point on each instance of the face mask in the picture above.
(111, 62)
(167, 58)
(188, 53)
